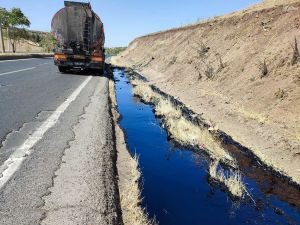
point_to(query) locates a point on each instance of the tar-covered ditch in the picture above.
(175, 184)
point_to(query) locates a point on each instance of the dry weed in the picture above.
(209, 72)
(144, 91)
(221, 64)
(232, 180)
(296, 54)
(133, 213)
(201, 49)
(182, 130)
(263, 69)
(187, 133)
(165, 108)
(281, 94)
(253, 115)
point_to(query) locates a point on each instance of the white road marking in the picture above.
(13, 163)
(12, 60)
(17, 71)
(46, 63)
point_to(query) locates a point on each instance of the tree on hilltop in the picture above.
(16, 22)
(3, 24)
(48, 42)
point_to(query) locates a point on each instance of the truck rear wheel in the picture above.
(62, 69)
(97, 72)
(100, 72)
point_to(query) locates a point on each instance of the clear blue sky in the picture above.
(126, 20)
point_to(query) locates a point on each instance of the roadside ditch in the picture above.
(227, 169)
(129, 174)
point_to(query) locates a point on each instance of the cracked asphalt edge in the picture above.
(9, 133)
(68, 145)
(85, 186)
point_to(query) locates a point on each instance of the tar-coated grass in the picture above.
(133, 213)
(179, 128)
(145, 92)
(231, 179)
(188, 134)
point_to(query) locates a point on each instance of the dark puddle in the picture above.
(175, 183)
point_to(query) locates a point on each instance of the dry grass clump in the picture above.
(144, 91)
(297, 136)
(165, 108)
(296, 54)
(253, 115)
(187, 133)
(135, 82)
(182, 130)
(263, 69)
(281, 94)
(133, 213)
(232, 180)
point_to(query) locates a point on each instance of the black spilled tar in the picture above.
(175, 183)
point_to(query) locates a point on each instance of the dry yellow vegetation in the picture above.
(189, 134)
(232, 179)
(133, 213)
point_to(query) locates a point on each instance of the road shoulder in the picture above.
(85, 186)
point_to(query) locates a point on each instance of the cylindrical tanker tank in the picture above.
(80, 37)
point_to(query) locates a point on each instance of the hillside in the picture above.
(24, 46)
(240, 71)
(32, 44)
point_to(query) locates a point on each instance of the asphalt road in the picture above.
(57, 156)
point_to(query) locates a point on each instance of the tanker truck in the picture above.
(80, 38)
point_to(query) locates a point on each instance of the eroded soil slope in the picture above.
(240, 71)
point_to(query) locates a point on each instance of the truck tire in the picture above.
(97, 72)
(100, 72)
(62, 69)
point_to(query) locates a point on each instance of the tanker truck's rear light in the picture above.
(97, 59)
(96, 54)
(60, 57)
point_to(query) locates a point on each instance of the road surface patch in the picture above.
(13, 163)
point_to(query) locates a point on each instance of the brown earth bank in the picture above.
(23, 46)
(241, 72)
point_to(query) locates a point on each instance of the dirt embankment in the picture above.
(240, 71)
(23, 46)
